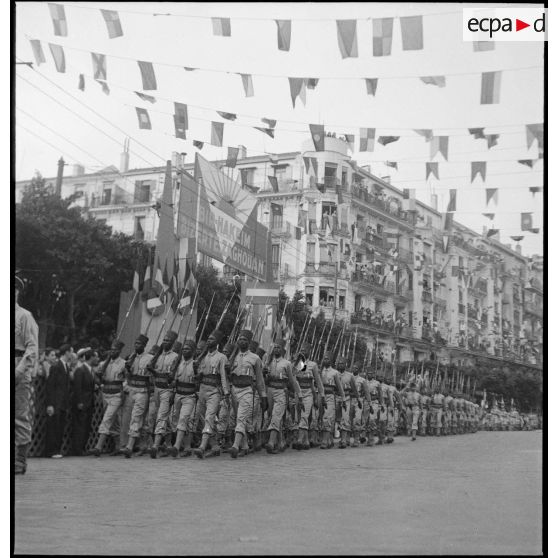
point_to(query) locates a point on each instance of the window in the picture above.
(460, 261)
(379, 228)
(247, 176)
(324, 253)
(460, 296)
(280, 173)
(323, 297)
(341, 299)
(139, 227)
(310, 252)
(142, 192)
(276, 216)
(330, 175)
(310, 296)
(358, 302)
(107, 193)
(275, 255)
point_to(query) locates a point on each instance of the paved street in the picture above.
(471, 494)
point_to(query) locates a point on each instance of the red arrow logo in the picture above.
(519, 25)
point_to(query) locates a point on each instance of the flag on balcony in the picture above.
(217, 133)
(426, 134)
(37, 51)
(409, 202)
(318, 137)
(232, 156)
(81, 82)
(268, 131)
(445, 242)
(227, 115)
(274, 183)
(347, 38)
(477, 132)
(58, 19)
(492, 193)
(303, 220)
(283, 34)
(439, 81)
(221, 26)
(104, 86)
(411, 32)
(99, 66)
(367, 136)
(491, 232)
(58, 56)
(439, 144)
(492, 140)
(534, 131)
(526, 221)
(145, 97)
(489, 215)
(276, 209)
(147, 76)
(535, 189)
(306, 164)
(432, 168)
(517, 238)
(490, 88)
(143, 119)
(247, 84)
(197, 144)
(478, 167)
(392, 164)
(382, 34)
(180, 120)
(113, 24)
(386, 140)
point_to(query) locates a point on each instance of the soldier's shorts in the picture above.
(208, 404)
(243, 401)
(412, 417)
(255, 425)
(184, 406)
(345, 422)
(307, 400)
(291, 423)
(357, 415)
(223, 416)
(436, 418)
(125, 416)
(165, 397)
(454, 418)
(328, 420)
(151, 413)
(111, 417)
(139, 404)
(279, 405)
(423, 418)
(22, 418)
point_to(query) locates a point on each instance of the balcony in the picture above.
(340, 313)
(377, 323)
(323, 268)
(534, 285)
(533, 309)
(283, 230)
(370, 283)
(389, 208)
(405, 255)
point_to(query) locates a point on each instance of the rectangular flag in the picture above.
(217, 133)
(232, 156)
(221, 26)
(147, 75)
(112, 21)
(58, 55)
(382, 34)
(180, 120)
(371, 85)
(283, 34)
(318, 136)
(526, 221)
(37, 51)
(143, 119)
(347, 37)
(247, 84)
(411, 32)
(367, 139)
(490, 87)
(58, 19)
(99, 66)
(146, 283)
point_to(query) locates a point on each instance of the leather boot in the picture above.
(20, 462)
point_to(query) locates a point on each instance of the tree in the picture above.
(75, 265)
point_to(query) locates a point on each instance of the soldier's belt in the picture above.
(112, 387)
(305, 383)
(139, 381)
(276, 383)
(211, 380)
(185, 388)
(374, 397)
(329, 389)
(160, 375)
(241, 381)
(436, 406)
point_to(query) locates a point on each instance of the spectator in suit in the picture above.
(84, 392)
(57, 398)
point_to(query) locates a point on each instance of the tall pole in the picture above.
(59, 176)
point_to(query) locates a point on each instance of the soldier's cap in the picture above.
(19, 284)
(218, 334)
(177, 347)
(82, 351)
(246, 333)
(154, 349)
(280, 342)
(142, 339)
(191, 343)
(117, 345)
(253, 346)
(171, 335)
(260, 352)
(340, 360)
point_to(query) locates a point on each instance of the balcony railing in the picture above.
(323, 268)
(390, 208)
(283, 230)
(372, 282)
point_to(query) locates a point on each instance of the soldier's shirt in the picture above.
(115, 370)
(26, 335)
(249, 364)
(425, 400)
(328, 376)
(308, 372)
(139, 368)
(185, 372)
(279, 368)
(438, 400)
(374, 387)
(165, 362)
(448, 400)
(386, 395)
(360, 381)
(392, 390)
(214, 363)
(346, 379)
(413, 398)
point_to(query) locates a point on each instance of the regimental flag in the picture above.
(452, 205)
(221, 26)
(147, 75)
(268, 131)
(347, 38)
(112, 20)
(492, 194)
(367, 139)
(99, 66)
(411, 32)
(247, 84)
(146, 283)
(145, 97)
(58, 55)
(534, 131)
(227, 115)
(490, 88)
(517, 238)
(232, 156)
(382, 34)
(58, 19)
(274, 183)
(528, 162)
(477, 132)
(37, 51)
(535, 189)
(283, 34)
(492, 140)
(351, 141)
(297, 87)
(318, 136)
(158, 283)
(439, 144)
(217, 133)
(526, 221)
(180, 120)
(197, 144)
(386, 140)
(426, 134)
(482, 46)
(478, 167)
(432, 168)
(81, 83)
(439, 81)
(371, 85)
(489, 216)
(143, 119)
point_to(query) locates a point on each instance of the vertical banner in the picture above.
(263, 299)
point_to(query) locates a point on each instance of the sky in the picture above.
(54, 118)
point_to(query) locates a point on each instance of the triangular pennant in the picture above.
(296, 85)
(269, 131)
(347, 38)
(382, 34)
(492, 140)
(432, 168)
(411, 32)
(274, 183)
(477, 132)
(37, 51)
(104, 86)
(188, 69)
(478, 167)
(269, 122)
(314, 162)
(312, 83)
(535, 231)
(426, 134)
(492, 193)
(489, 215)
(452, 205)
(58, 19)
(112, 21)
(247, 84)
(371, 85)
(197, 144)
(517, 238)
(490, 88)
(81, 83)
(527, 162)
(534, 131)
(147, 75)
(445, 242)
(439, 81)
(283, 34)
(351, 141)
(535, 189)
(227, 115)
(143, 119)
(221, 26)
(217, 129)
(99, 66)
(318, 135)
(306, 163)
(180, 120)
(58, 55)
(145, 97)
(385, 140)
(392, 164)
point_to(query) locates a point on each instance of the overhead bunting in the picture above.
(526, 221)
(411, 32)
(382, 34)
(347, 38)
(180, 120)
(392, 164)
(58, 55)
(439, 144)
(227, 115)
(492, 194)
(298, 89)
(318, 136)
(517, 238)
(534, 131)
(248, 85)
(535, 189)
(147, 75)
(477, 132)
(367, 139)
(99, 66)
(445, 242)
(371, 85)
(426, 134)
(489, 215)
(143, 119)
(528, 162)
(145, 97)
(198, 144)
(492, 232)
(452, 205)
(269, 122)
(232, 157)
(217, 133)
(268, 131)
(81, 83)
(283, 34)
(221, 26)
(314, 163)
(490, 88)
(190, 69)
(478, 167)
(306, 164)
(37, 51)
(312, 83)
(535, 231)
(112, 21)
(58, 20)
(385, 140)
(440, 81)
(492, 140)
(432, 168)
(482, 46)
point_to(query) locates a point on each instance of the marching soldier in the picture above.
(437, 410)
(424, 410)
(372, 409)
(245, 372)
(394, 400)
(26, 355)
(357, 404)
(385, 407)
(111, 375)
(448, 411)
(214, 386)
(150, 417)
(164, 393)
(413, 409)
(331, 379)
(350, 393)
(225, 416)
(185, 400)
(312, 394)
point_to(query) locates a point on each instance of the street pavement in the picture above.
(470, 494)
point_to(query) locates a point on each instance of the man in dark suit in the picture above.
(84, 391)
(57, 401)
